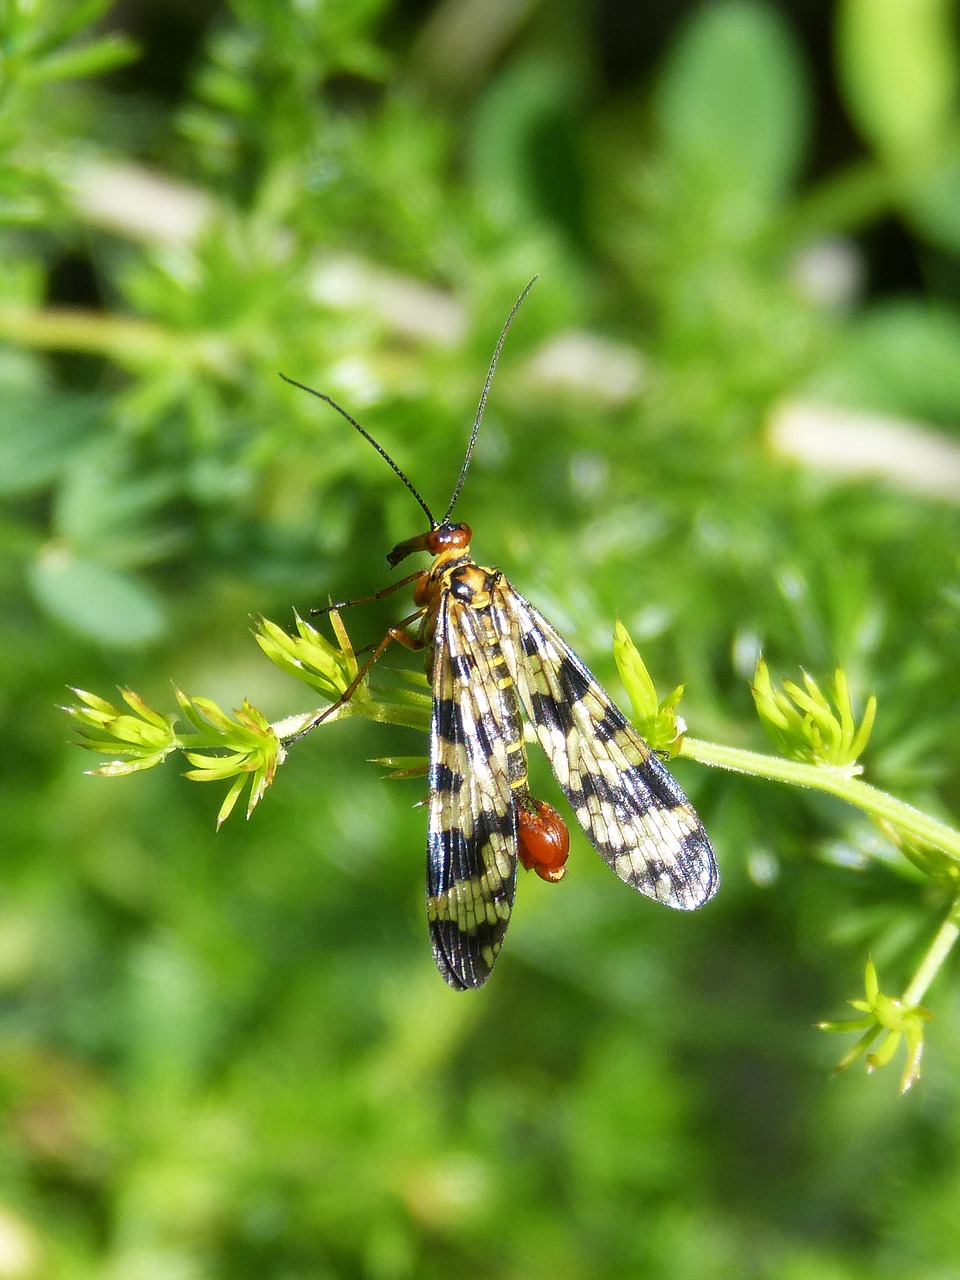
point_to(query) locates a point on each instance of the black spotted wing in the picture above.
(626, 801)
(476, 747)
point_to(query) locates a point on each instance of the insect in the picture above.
(493, 660)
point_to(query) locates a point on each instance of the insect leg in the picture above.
(377, 595)
(395, 633)
(402, 637)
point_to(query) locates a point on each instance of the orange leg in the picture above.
(408, 641)
(396, 633)
(377, 595)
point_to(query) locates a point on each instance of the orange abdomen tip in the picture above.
(543, 841)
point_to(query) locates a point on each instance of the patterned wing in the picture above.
(632, 811)
(476, 745)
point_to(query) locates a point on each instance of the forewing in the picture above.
(472, 839)
(631, 809)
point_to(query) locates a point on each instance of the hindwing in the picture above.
(626, 801)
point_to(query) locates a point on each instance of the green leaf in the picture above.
(899, 73)
(229, 800)
(656, 721)
(893, 1019)
(32, 28)
(636, 678)
(111, 508)
(522, 153)
(143, 740)
(403, 766)
(901, 358)
(309, 655)
(732, 105)
(246, 748)
(806, 725)
(39, 435)
(107, 605)
(932, 200)
(89, 60)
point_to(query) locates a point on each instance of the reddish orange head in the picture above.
(444, 537)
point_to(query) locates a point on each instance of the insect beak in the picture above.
(404, 549)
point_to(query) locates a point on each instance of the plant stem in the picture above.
(938, 951)
(860, 193)
(910, 822)
(137, 341)
(409, 716)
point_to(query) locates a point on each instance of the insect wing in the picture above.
(631, 809)
(472, 837)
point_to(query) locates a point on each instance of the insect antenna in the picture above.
(367, 436)
(483, 399)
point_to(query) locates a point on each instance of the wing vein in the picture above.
(472, 827)
(629, 806)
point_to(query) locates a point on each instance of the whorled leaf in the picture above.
(888, 1018)
(141, 740)
(309, 655)
(805, 725)
(656, 721)
(245, 748)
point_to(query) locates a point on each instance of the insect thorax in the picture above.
(471, 584)
(456, 576)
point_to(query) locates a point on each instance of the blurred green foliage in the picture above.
(231, 1056)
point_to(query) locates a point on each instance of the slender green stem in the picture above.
(409, 716)
(65, 329)
(938, 951)
(858, 194)
(907, 820)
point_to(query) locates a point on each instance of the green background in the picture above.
(230, 1055)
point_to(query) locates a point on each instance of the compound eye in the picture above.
(448, 535)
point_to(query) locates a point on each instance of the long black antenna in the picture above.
(483, 399)
(367, 436)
